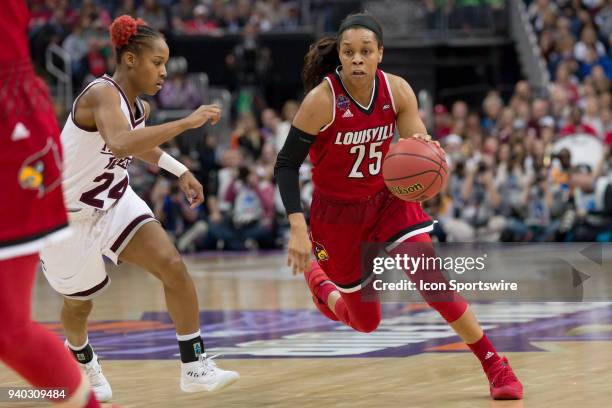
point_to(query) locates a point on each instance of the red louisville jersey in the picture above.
(14, 19)
(347, 153)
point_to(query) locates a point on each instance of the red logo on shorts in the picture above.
(42, 170)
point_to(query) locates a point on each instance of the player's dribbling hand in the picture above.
(202, 115)
(298, 257)
(192, 189)
(426, 138)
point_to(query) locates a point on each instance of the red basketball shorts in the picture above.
(339, 229)
(32, 204)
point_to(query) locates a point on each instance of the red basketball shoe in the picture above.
(314, 277)
(503, 383)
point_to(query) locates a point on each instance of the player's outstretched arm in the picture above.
(187, 182)
(123, 141)
(314, 113)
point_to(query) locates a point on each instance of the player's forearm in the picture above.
(152, 156)
(297, 221)
(287, 168)
(138, 141)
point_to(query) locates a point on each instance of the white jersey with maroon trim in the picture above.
(92, 175)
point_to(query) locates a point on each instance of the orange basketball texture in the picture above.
(415, 170)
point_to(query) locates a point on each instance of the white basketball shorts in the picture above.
(74, 266)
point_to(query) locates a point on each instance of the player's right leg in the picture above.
(151, 249)
(27, 347)
(74, 268)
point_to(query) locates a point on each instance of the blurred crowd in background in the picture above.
(509, 179)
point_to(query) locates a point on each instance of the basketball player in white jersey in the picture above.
(104, 132)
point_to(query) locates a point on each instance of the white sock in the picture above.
(77, 348)
(185, 337)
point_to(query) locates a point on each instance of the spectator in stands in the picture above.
(539, 109)
(202, 23)
(603, 19)
(270, 124)
(96, 58)
(491, 106)
(154, 14)
(127, 7)
(76, 45)
(179, 91)
(459, 111)
(592, 116)
(252, 213)
(600, 80)
(588, 38)
(575, 124)
(228, 20)
(182, 13)
(247, 136)
(559, 103)
(441, 122)
(249, 61)
(171, 207)
(290, 108)
(538, 12)
(265, 165)
(243, 11)
(473, 189)
(273, 11)
(291, 20)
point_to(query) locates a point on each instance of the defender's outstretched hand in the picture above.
(192, 189)
(202, 115)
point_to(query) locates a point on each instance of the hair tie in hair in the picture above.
(361, 20)
(122, 29)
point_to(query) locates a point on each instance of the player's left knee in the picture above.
(173, 271)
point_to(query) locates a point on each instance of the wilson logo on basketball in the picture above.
(407, 190)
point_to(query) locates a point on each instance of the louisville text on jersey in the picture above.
(375, 134)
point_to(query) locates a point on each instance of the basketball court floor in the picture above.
(261, 320)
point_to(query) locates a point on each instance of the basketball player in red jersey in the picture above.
(346, 123)
(33, 214)
(105, 130)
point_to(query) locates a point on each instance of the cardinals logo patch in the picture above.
(320, 252)
(42, 170)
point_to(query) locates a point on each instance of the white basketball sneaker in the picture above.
(99, 384)
(204, 375)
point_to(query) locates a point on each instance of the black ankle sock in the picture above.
(84, 355)
(191, 349)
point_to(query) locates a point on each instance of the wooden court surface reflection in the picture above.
(568, 365)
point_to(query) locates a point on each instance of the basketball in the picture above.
(415, 170)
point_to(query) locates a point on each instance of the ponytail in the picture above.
(321, 59)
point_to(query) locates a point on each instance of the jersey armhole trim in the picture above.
(74, 106)
(331, 87)
(390, 92)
